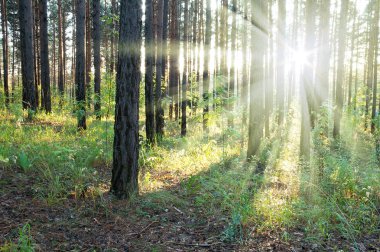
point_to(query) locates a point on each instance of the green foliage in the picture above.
(24, 242)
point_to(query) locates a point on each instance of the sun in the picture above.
(300, 57)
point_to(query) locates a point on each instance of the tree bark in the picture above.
(45, 68)
(125, 170)
(96, 38)
(149, 63)
(185, 71)
(80, 64)
(206, 71)
(4, 26)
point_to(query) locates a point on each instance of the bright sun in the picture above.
(300, 57)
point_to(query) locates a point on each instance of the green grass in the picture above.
(337, 194)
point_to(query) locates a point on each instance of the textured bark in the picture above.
(256, 108)
(340, 67)
(80, 67)
(126, 140)
(185, 71)
(159, 111)
(206, 71)
(4, 28)
(88, 53)
(174, 53)
(44, 52)
(113, 27)
(26, 47)
(96, 38)
(60, 51)
(149, 63)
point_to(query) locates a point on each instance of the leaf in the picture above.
(23, 161)
(3, 159)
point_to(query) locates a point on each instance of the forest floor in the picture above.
(197, 194)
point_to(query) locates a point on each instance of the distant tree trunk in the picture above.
(26, 47)
(174, 52)
(340, 67)
(36, 51)
(231, 82)
(307, 84)
(80, 65)
(185, 71)
(375, 68)
(4, 27)
(292, 75)
(54, 58)
(124, 181)
(256, 105)
(113, 26)
(88, 54)
(165, 23)
(244, 87)
(159, 113)
(45, 68)
(96, 38)
(206, 71)
(281, 61)
(13, 64)
(149, 63)
(323, 64)
(60, 52)
(350, 80)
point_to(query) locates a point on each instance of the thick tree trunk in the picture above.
(4, 26)
(80, 65)
(149, 63)
(45, 68)
(256, 105)
(96, 38)
(26, 47)
(126, 140)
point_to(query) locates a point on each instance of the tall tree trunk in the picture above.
(231, 82)
(206, 71)
(256, 105)
(159, 112)
(244, 87)
(174, 52)
(281, 37)
(96, 38)
(126, 141)
(307, 83)
(340, 67)
(45, 69)
(149, 63)
(60, 52)
(26, 47)
(350, 80)
(185, 70)
(165, 23)
(113, 26)
(80, 65)
(376, 45)
(88, 54)
(4, 28)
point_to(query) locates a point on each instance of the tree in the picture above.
(159, 111)
(96, 38)
(149, 62)
(45, 68)
(174, 54)
(376, 45)
(281, 36)
(185, 71)
(126, 139)
(340, 68)
(26, 47)
(256, 108)
(206, 72)
(60, 51)
(80, 67)
(88, 53)
(4, 27)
